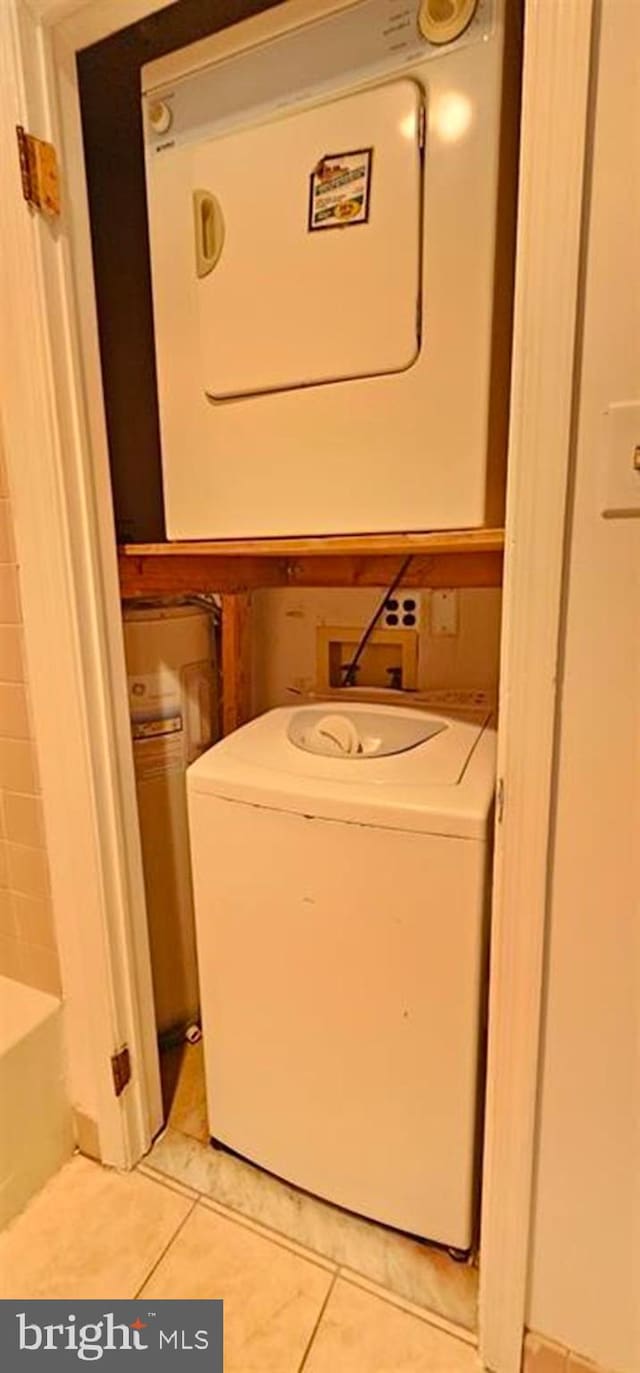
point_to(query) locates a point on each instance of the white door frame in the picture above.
(69, 587)
(556, 74)
(55, 433)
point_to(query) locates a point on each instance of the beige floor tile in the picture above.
(269, 1234)
(272, 1297)
(171, 1183)
(417, 1272)
(424, 1313)
(90, 1233)
(359, 1333)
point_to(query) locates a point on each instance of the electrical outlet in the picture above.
(444, 614)
(402, 610)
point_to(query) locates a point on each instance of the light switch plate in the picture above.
(620, 472)
(444, 613)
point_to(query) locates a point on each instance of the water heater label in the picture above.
(340, 190)
(151, 729)
(157, 724)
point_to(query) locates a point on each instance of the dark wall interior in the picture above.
(109, 79)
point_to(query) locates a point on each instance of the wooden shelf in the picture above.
(461, 557)
(235, 567)
(328, 545)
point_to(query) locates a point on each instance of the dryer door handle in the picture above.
(209, 231)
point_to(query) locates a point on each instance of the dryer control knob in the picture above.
(160, 116)
(441, 21)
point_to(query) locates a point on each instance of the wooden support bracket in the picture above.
(451, 559)
(236, 660)
(187, 574)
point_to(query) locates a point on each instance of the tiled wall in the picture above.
(27, 938)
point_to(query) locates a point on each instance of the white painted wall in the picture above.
(585, 1289)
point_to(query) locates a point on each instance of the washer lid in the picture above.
(442, 784)
(360, 734)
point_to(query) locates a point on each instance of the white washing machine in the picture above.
(341, 870)
(331, 275)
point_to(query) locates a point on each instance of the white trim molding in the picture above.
(96, 882)
(555, 90)
(87, 21)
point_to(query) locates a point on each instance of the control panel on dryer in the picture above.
(363, 41)
(442, 21)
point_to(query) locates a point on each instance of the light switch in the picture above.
(621, 460)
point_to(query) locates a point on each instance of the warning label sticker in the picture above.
(340, 190)
(157, 724)
(152, 729)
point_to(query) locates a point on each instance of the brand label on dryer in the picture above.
(340, 190)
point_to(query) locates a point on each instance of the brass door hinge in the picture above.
(121, 1069)
(39, 173)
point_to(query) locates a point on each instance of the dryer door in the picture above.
(307, 245)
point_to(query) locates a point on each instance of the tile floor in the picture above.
(416, 1272)
(95, 1233)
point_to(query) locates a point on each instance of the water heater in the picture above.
(331, 252)
(172, 700)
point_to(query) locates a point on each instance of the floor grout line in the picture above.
(317, 1324)
(166, 1249)
(448, 1325)
(173, 1185)
(444, 1324)
(255, 1227)
(250, 1223)
(267, 1233)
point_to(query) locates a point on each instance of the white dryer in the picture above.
(341, 870)
(332, 340)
